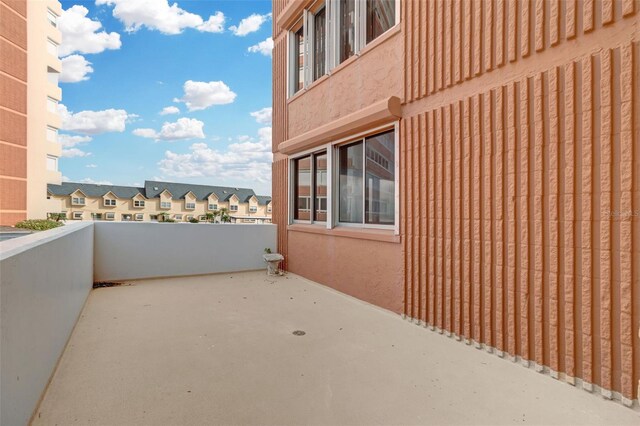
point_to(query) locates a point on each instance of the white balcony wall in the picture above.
(150, 250)
(45, 279)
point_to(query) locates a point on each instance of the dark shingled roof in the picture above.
(153, 189)
(93, 190)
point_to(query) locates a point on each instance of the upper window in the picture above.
(190, 206)
(109, 202)
(165, 204)
(316, 45)
(52, 105)
(233, 208)
(253, 209)
(213, 207)
(78, 201)
(381, 15)
(52, 134)
(138, 203)
(52, 47)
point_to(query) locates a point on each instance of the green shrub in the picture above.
(194, 220)
(168, 220)
(38, 224)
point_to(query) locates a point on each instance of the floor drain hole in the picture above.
(299, 333)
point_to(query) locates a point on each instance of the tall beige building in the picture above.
(43, 95)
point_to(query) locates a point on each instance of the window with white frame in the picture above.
(52, 47)
(269, 208)
(53, 76)
(153, 217)
(96, 216)
(109, 216)
(190, 206)
(213, 207)
(77, 216)
(52, 105)
(138, 203)
(331, 32)
(253, 209)
(109, 202)
(127, 217)
(233, 208)
(189, 217)
(364, 183)
(139, 216)
(52, 134)
(165, 204)
(52, 163)
(78, 201)
(310, 187)
(53, 18)
(178, 217)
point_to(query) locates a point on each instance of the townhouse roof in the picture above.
(94, 190)
(153, 189)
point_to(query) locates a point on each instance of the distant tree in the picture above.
(224, 215)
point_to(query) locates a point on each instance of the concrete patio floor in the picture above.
(220, 349)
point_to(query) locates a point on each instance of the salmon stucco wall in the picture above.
(13, 112)
(521, 182)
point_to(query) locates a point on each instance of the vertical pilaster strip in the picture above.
(467, 201)
(512, 36)
(498, 240)
(468, 30)
(487, 202)
(499, 25)
(510, 239)
(477, 219)
(553, 242)
(433, 262)
(523, 132)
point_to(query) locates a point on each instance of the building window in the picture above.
(52, 47)
(178, 217)
(138, 203)
(253, 209)
(381, 16)
(366, 185)
(52, 163)
(52, 105)
(109, 202)
(319, 44)
(53, 18)
(310, 183)
(188, 217)
(52, 134)
(213, 207)
(139, 216)
(233, 208)
(347, 29)
(363, 178)
(77, 216)
(328, 34)
(190, 206)
(269, 208)
(96, 216)
(153, 217)
(110, 216)
(126, 218)
(165, 204)
(77, 201)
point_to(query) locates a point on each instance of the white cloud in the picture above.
(69, 141)
(170, 110)
(159, 15)
(95, 182)
(94, 122)
(265, 47)
(65, 179)
(248, 157)
(91, 166)
(200, 95)
(249, 24)
(262, 116)
(184, 128)
(81, 34)
(74, 69)
(74, 152)
(215, 24)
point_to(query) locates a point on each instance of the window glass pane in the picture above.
(380, 179)
(347, 29)
(302, 209)
(351, 191)
(299, 57)
(381, 15)
(320, 184)
(319, 43)
(52, 134)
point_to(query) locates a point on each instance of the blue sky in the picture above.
(206, 64)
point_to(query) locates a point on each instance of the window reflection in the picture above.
(347, 29)
(351, 173)
(380, 179)
(319, 43)
(302, 196)
(381, 15)
(320, 206)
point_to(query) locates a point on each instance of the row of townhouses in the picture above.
(157, 201)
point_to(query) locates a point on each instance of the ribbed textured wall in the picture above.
(521, 180)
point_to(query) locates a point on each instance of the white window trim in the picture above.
(54, 160)
(54, 21)
(76, 214)
(139, 215)
(332, 184)
(231, 209)
(109, 216)
(73, 202)
(187, 204)
(109, 202)
(139, 204)
(212, 207)
(165, 202)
